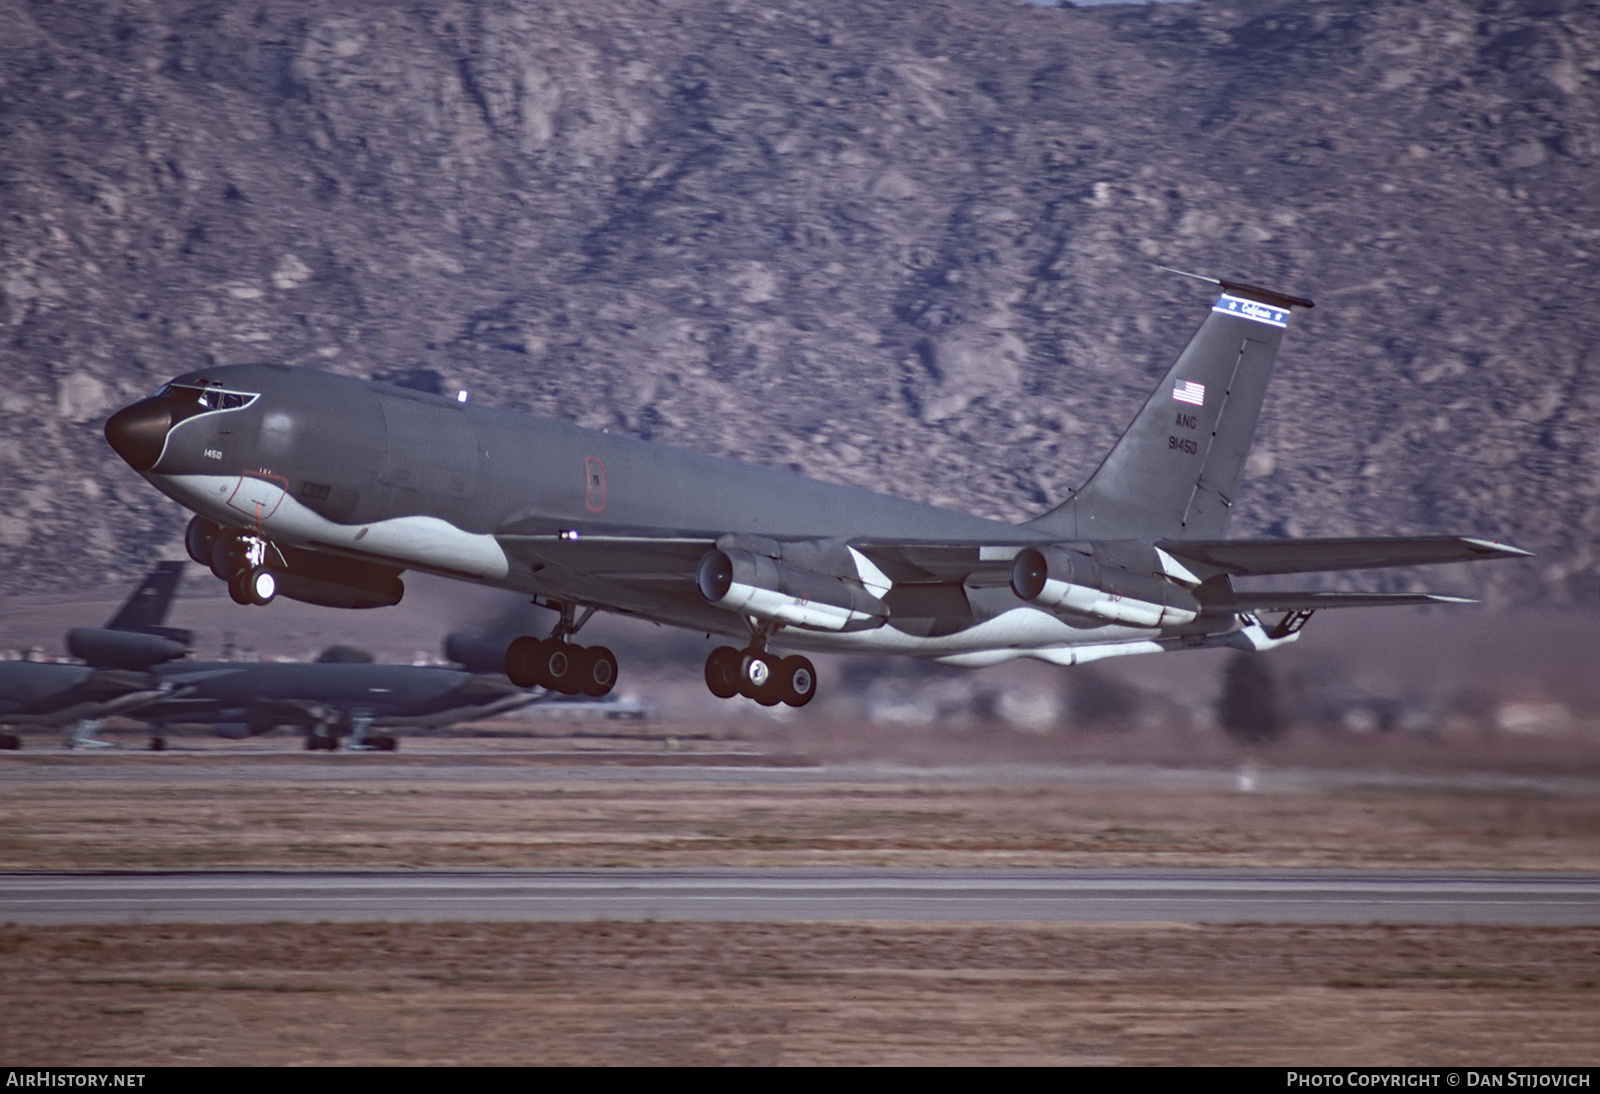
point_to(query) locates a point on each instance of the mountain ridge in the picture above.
(911, 248)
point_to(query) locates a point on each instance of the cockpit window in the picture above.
(188, 402)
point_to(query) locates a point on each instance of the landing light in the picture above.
(461, 396)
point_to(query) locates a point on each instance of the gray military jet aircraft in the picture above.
(326, 699)
(137, 668)
(117, 672)
(325, 489)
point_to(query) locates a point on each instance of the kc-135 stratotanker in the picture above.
(324, 489)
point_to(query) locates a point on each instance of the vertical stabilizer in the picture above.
(148, 605)
(1174, 472)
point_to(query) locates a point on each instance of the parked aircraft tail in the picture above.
(148, 605)
(136, 638)
(1174, 472)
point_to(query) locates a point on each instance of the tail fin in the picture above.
(147, 607)
(1173, 473)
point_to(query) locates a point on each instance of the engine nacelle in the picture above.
(1075, 582)
(105, 648)
(474, 652)
(755, 584)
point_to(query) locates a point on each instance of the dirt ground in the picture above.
(684, 993)
(514, 802)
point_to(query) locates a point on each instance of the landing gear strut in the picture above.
(559, 665)
(238, 558)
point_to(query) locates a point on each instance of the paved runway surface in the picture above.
(792, 895)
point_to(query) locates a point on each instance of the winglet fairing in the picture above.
(366, 481)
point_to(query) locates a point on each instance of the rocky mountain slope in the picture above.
(907, 246)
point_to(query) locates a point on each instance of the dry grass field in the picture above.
(856, 993)
(689, 993)
(519, 804)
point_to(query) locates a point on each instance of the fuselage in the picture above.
(368, 471)
(54, 694)
(267, 694)
(35, 688)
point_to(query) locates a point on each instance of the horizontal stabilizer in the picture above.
(1312, 601)
(1304, 556)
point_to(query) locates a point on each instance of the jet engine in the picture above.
(481, 653)
(137, 651)
(1076, 582)
(773, 588)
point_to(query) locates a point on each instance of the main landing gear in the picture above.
(559, 665)
(759, 675)
(238, 558)
(323, 735)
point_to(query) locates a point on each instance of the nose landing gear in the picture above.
(238, 558)
(253, 585)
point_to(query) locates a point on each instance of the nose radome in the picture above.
(138, 433)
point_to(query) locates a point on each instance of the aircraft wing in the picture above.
(1302, 556)
(486, 707)
(918, 563)
(652, 573)
(646, 559)
(642, 557)
(1291, 601)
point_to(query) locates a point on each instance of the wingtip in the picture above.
(1495, 549)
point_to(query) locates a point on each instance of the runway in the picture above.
(808, 895)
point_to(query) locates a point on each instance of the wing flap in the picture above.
(1314, 601)
(1302, 556)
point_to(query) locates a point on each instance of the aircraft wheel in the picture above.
(522, 664)
(239, 588)
(227, 555)
(261, 585)
(158, 743)
(198, 539)
(558, 666)
(10, 742)
(798, 678)
(758, 680)
(722, 672)
(597, 668)
(381, 743)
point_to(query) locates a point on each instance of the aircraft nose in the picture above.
(138, 432)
